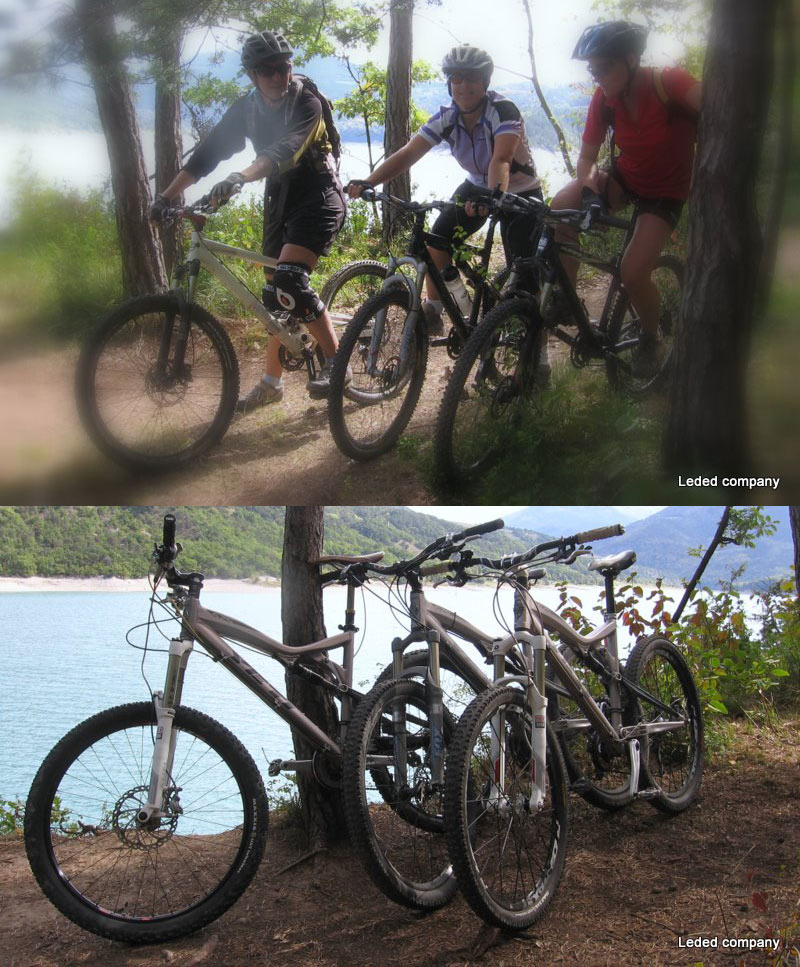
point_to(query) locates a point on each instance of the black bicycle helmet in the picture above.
(264, 48)
(465, 57)
(615, 38)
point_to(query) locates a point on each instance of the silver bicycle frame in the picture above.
(209, 628)
(201, 250)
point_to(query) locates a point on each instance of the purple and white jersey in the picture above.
(473, 150)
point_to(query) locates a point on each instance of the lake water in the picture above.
(83, 164)
(64, 657)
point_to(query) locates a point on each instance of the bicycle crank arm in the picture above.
(290, 765)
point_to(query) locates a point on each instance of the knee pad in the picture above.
(294, 293)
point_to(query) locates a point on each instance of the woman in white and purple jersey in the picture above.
(486, 136)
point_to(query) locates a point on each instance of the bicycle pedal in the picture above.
(275, 767)
(650, 793)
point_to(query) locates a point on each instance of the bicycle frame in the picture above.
(549, 252)
(296, 338)
(209, 628)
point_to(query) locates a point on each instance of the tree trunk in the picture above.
(794, 519)
(168, 138)
(706, 428)
(562, 141)
(142, 266)
(398, 97)
(715, 542)
(303, 622)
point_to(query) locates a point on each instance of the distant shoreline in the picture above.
(15, 585)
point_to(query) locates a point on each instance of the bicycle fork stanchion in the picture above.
(166, 704)
(435, 703)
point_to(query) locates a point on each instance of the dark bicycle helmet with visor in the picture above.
(613, 39)
(465, 57)
(265, 48)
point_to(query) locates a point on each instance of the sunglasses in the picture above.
(464, 77)
(602, 69)
(269, 70)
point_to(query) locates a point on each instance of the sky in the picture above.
(477, 515)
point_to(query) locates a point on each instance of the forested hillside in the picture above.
(223, 542)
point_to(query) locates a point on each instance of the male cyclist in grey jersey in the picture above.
(304, 205)
(486, 136)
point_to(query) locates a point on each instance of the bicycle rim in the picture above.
(144, 407)
(508, 855)
(386, 351)
(349, 288)
(394, 813)
(485, 396)
(118, 878)
(672, 761)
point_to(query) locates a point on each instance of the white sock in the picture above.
(544, 350)
(436, 304)
(276, 381)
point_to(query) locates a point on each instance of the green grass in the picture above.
(582, 439)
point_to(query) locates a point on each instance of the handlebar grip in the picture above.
(436, 569)
(169, 530)
(599, 534)
(492, 525)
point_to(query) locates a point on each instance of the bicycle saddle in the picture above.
(345, 559)
(614, 563)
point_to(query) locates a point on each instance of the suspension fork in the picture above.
(166, 704)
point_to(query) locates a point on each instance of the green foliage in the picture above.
(206, 99)
(367, 101)
(566, 440)
(225, 542)
(60, 261)
(12, 814)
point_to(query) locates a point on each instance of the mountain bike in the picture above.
(158, 378)
(380, 365)
(148, 820)
(495, 374)
(623, 734)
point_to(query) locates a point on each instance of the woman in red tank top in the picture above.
(653, 117)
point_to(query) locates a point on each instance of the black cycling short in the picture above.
(310, 213)
(517, 231)
(667, 208)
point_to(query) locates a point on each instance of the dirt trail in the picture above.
(637, 886)
(277, 455)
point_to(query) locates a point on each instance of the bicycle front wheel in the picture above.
(672, 759)
(145, 883)
(154, 391)
(377, 375)
(624, 331)
(507, 853)
(493, 376)
(392, 808)
(349, 288)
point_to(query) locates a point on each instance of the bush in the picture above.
(60, 262)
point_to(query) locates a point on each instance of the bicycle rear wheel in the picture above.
(624, 331)
(385, 349)
(672, 760)
(349, 288)
(493, 377)
(508, 856)
(393, 811)
(601, 774)
(142, 405)
(145, 884)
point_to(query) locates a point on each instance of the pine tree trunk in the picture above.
(303, 622)
(168, 138)
(706, 428)
(142, 266)
(794, 519)
(398, 97)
